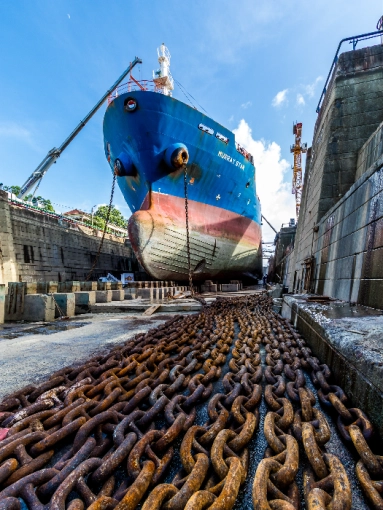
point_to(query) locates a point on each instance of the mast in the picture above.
(162, 77)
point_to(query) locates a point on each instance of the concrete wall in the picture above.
(348, 250)
(350, 114)
(39, 247)
(284, 245)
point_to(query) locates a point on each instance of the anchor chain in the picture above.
(190, 273)
(103, 435)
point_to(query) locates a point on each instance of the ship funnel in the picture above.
(176, 156)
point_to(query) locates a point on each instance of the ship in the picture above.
(190, 186)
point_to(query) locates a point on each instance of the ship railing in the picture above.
(134, 85)
(244, 153)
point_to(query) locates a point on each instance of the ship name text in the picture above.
(231, 160)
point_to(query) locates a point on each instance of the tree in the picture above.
(115, 218)
(13, 189)
(98, 222)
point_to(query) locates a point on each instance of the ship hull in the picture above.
(224, 211)
(222, 244)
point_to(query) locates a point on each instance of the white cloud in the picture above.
(277, 201)
(231, 118)
(280, 98)
(246, 105)
(310, 89)
(300, 100)
(13, 130)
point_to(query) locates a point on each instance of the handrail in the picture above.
(131, 86)
(355, 39)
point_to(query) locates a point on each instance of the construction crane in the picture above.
(297, 149)
(54, 154)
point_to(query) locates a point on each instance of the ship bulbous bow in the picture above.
(222, 243)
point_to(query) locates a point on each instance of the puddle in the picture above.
(347, 311)
(48, 329)
(338, 310)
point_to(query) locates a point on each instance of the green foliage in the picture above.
(98, 222)
(115, 218)
(13, 189)
(47, 204)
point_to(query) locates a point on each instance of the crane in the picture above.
(55, 153)
(297, 149)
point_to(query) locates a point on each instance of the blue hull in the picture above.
(221, 179)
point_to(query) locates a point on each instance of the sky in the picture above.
(255, 66)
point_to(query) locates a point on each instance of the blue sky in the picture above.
(255, 67)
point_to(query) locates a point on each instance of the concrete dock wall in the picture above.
(339, 240)
(36, 247)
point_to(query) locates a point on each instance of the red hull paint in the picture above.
(229, 242)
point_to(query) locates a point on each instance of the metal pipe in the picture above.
(54, 154)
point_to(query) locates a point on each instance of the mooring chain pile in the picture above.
(118, 416)
(326, 484)
(104, 435)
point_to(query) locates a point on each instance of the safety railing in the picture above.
(132, 86)
(244, 152)
(354, 41)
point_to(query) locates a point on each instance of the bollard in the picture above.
(118, 295)
(66, 303)
(52, 287)
(103, 296)
(84, 300)
(71, 286)
(38, 307)
(88, 286)
(104, 286)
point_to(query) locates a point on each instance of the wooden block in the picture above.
(151, 310)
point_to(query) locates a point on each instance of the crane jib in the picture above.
(54, 154)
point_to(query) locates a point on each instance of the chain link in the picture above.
(104, 231)
(128, 411)
(187, 231)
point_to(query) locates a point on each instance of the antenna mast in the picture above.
(297, 149)
(162, 77)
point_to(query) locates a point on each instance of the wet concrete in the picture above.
(29, 355)
(44, 329)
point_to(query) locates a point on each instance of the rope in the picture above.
(104, 231)
(186, 94)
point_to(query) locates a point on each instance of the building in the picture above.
(85, 217)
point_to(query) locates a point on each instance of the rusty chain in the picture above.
(190, 274)
(104, 435)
